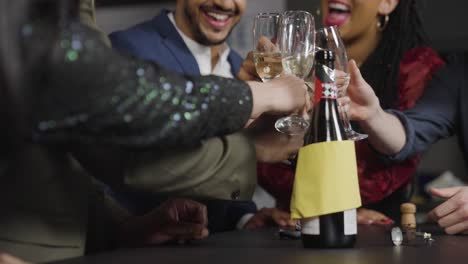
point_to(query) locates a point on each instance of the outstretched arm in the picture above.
(94, 94)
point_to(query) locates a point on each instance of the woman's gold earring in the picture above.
(383, 25)
(318, 12)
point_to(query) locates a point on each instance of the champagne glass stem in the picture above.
(350, 133)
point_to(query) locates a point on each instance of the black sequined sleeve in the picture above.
(93, 94)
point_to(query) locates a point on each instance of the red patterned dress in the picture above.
(377, 180)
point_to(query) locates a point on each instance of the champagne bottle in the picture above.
(336, 230)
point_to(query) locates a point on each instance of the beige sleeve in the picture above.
(219, 168)
(88, 17)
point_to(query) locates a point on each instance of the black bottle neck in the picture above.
(326, 123)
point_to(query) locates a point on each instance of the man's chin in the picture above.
(211, 41)
(210, 37)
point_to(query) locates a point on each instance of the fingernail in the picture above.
(387, 221)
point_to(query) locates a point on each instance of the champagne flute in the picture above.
(267, 56)
(329, 38)
(297, 45)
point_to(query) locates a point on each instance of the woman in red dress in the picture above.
(387, 40)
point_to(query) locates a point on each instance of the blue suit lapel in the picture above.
(175, 44)
(236, 61)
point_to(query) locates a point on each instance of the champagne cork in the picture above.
(408, 218)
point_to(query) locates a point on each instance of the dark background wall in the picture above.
(444, 20)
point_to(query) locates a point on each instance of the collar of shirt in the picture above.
(202, 55)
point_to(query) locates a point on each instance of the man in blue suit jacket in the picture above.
(192, 41)
(159, 40)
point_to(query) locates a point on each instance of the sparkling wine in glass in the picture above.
(297, 45)
(329, 38)
(298, 65)
(267, 56)
(268, 65)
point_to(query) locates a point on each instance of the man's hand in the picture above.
(268, 216)
(248, 72)
(452, 215)
(8, 259)
(283, 95)
(272, 146)
(177, 220)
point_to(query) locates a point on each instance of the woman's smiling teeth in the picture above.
(338, 7)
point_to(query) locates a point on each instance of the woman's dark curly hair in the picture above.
(404, 31)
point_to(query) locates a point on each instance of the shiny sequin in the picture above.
(149, 98)
(72, 56)
(176, 117)
(128, 118)
(140, 72)
(167, 86)
(189, 87)
(65, 44)
(142, 81)
(188, 116)
(204, 90)
(165, 96)
(76, 45)
(27, 30)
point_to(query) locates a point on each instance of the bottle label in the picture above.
(350, 222)
(325, 87)
(310, 226)
(329, 91)
(322, 159)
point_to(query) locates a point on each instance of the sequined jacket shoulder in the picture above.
(92, 93)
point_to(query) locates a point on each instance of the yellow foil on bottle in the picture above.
(326, 180)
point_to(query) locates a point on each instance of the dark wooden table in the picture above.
(374, 246)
